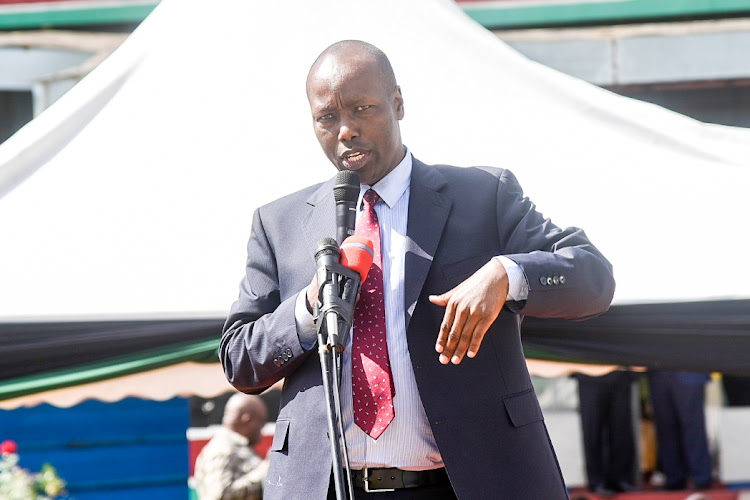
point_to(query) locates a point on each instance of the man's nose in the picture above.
(347, 131)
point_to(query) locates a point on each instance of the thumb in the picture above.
(441, 300)
(312, 292)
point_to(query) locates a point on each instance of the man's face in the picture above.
(355, 114)
(253, 426)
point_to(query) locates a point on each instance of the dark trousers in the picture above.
(678, 399)
(737, 390)
(607, 422)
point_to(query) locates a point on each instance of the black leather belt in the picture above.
(375, 480)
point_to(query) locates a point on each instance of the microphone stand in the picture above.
(333, 317)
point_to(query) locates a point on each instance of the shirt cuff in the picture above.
(518, 285)
(304, 320)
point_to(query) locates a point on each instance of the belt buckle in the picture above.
(366, 480)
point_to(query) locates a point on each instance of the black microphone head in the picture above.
(346, 188)
(326, 246)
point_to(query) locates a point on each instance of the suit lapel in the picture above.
(428, 213)
(320, 220)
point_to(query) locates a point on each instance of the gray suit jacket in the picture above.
(483, 413)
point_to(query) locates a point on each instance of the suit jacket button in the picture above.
(555, 280)
(543, 280)
(289, 353)
(549, 280)
(562, 279)
(277, 362)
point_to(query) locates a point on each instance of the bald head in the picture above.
(353, 51)
(245, 414)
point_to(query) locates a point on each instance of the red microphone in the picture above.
(357, 253)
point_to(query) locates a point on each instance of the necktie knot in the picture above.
(371, 198)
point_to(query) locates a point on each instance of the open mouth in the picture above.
(355, 160)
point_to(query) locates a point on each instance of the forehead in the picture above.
(336, 78)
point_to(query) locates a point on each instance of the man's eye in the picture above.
(327, 117)
(362, 108)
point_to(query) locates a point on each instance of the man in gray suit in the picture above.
(464, 257)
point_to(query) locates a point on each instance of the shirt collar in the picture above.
(391, 187)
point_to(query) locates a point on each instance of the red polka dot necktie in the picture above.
(372, 381)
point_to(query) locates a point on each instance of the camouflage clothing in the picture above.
(227, 468)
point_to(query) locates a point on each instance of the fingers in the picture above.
(455, 336)
(470, 309)
(461, 337)
(445, 327)
(457, 331)
(478, 336)
(464, 333)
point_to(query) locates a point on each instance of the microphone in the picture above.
(346, 192)
(356, 254)
(326, 255)
(339, 284)
(327, 258)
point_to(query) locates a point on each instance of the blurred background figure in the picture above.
(606, 406)
(736, 389)
(228, 468)
(678, 400)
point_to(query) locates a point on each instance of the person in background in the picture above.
(678, 400)
(607, 421)
(228, 468)
(736, 389)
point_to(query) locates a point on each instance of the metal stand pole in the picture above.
(329, 352)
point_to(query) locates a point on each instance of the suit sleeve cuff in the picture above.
(518, 285)
(305, 323)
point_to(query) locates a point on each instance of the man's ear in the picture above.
(398, 101)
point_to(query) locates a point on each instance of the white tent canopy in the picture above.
(133, 194)
(131, 197)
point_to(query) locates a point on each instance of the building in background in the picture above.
(689, 56)
(46, 47)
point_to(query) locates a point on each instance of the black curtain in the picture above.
(695, 336)
(30, 348)
(698, 336)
